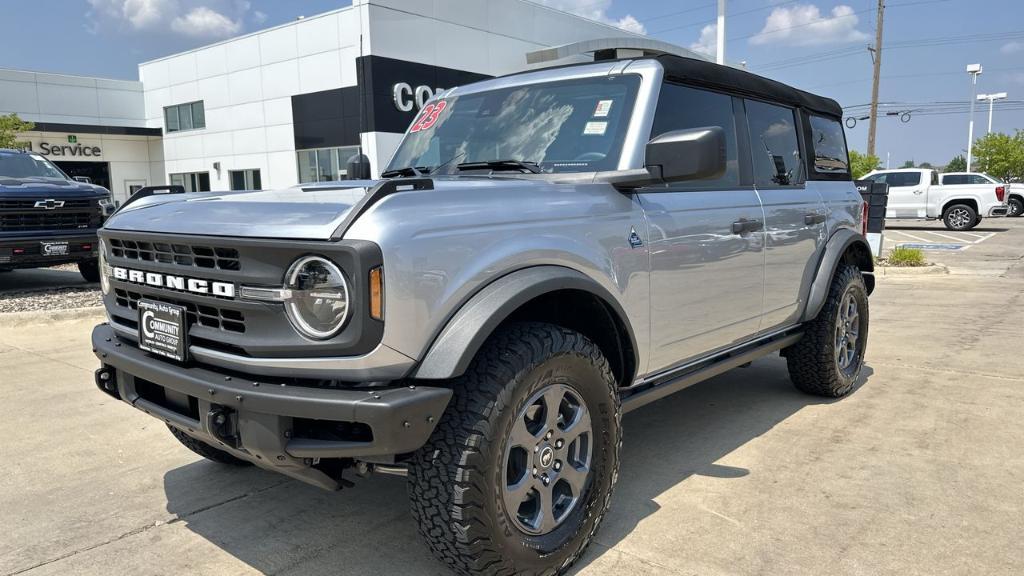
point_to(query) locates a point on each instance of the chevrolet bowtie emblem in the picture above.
(49, 204)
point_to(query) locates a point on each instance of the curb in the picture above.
(929, 270)
(16, 319)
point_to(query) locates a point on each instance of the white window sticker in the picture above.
(595, 128)
(603, 108)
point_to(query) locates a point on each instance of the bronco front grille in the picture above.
(180, 254)
(202, 314)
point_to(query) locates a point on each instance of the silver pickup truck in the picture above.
(546, 251)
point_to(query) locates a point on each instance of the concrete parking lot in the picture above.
(919, 471)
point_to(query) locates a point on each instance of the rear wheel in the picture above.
(90, 270)
(960, 217)
(1016, 206)
(519, 472)
(205, 450)
(828, 359)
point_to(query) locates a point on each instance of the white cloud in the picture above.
(804, 25)
(188, 17)
(203, 21)
(597, 11)
(707, 44)
(1012, 47)
(259, 17)
(138, 14)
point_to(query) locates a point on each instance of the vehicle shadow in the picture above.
(286, 527)
(943, 229)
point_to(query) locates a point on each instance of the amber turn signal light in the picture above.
(377, 293)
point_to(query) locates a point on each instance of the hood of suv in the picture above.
(49, 187)
(301, 213)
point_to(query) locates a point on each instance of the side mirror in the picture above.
(691, 154)
(358, 167)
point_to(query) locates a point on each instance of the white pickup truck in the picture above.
(917, 193)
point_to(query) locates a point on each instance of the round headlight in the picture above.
(104, 270)
(317, 304)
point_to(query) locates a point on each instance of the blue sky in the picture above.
(818, 45)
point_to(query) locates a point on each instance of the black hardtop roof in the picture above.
(743, 83)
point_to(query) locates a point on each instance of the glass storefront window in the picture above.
(324, 164)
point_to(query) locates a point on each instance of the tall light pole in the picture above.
(720, 37)
(991, 99)
(974, 70)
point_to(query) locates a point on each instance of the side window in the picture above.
(954, 179)
(682, 107)
(774, 145)
(829, 146)
(935, 178)
(978, 179)
(898, 179)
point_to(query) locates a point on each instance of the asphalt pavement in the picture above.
(918, 471)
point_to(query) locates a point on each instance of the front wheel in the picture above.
(828, 359)
(519, 471)
(1016, 207)
(960, 217)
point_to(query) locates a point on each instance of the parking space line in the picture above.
(956, 238)
(912, 237)
(973, 234)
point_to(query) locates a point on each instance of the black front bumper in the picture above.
(272, 425)
(26, 251)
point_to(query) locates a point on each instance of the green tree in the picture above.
(10, 127)
(861, 164)
(957, 164)
(1000, 155)
(908, 164)
(925, 165)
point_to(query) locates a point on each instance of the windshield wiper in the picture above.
(520, 165)
(416, 171)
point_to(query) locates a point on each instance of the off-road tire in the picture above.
(90, 270)
(205, 450)
(456, 480)
(812, 362)
(960, 217)
(1016, 207)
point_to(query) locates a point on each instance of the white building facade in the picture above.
(90, 127)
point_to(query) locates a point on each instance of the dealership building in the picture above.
(291, 104)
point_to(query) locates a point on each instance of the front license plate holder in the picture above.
(53, 248)
(163, 329)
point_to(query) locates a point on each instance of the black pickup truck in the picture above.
(46, 218)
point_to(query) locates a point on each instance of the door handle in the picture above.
(814, 218)
(744, 225)
(918, 192)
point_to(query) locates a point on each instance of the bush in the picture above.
(900, 256)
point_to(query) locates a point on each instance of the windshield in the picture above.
(25, 165)
(568, 126)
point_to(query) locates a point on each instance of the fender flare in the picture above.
(467, 330)
(836, 247)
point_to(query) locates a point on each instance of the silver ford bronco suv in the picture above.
(546, 251)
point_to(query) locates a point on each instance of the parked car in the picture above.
(918, 193)
(546, 251)
(1014, 192)
(47, 218)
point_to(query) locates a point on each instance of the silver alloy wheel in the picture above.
(959, 218)
(547, 459)
(1016, 207)
(847, 332)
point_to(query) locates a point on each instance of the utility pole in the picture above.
(876, 54)
(720, 36)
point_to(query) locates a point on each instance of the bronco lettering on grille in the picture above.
(181, 283)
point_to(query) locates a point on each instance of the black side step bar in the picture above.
(672, 383)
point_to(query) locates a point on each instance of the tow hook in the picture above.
(106, 380)
(223, 426)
